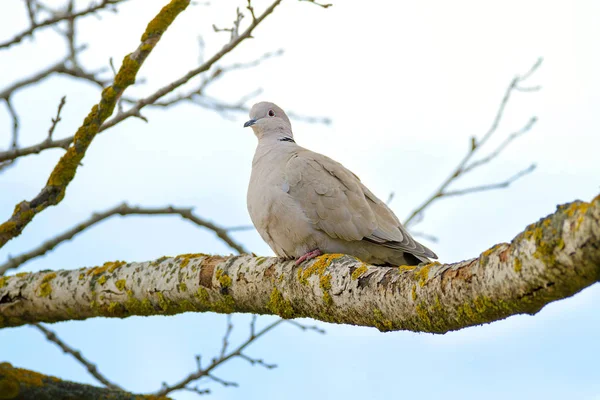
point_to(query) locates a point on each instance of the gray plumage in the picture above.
(300, 201)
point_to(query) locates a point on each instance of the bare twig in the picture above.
(314, 328)
(251, 9)
(318, 4)
(70, 36)
(509, 139)
(31, 13)
(57, 119)
(104, 4)
(464, 166)
(135, 110)
(390, 198)
(234, 31)
(60, 67)
(427, 236)
(15, 132)
(239, 228)
(122, 209)
(226, 336)
(491, 186)
(196, 390)
(222, 381)
(215, 75)
(232, 44)
(207, 372)
(64, 171)
(92, 369)
(257, 361)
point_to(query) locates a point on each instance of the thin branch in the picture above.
(15, 132)
(92, 369)
(427, 236)
(232, 44)
(464, 166)
(123, 210)
(303, 327)
(64, 171)
(318, 4)
(60, 67)
(70, 36)
(7, 92)
(57, 119)
(234, 31)
(257, 361)
(502, 146)
(226, 336)
(206, 372)
(213, 77)
(240, 228)
(56, 19)
(135, 111)
(31, 13)
(491, 186)
(251, 9)
(222, 381)
(197, 390)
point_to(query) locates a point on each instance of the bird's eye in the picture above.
(271, 113)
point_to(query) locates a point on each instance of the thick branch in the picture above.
(65, 169)
(23, 384)
(552, 259)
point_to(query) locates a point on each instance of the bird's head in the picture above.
(269, 119)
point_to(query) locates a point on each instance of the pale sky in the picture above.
(406, 85)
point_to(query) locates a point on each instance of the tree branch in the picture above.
(65, 169)
(92, 369)
(55, 19)
(23, 384)
(216, 362)
(135, 110)
(550, 260)
(466, 165)
(122, 209)
(15, 132)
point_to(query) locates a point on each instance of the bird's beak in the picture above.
(250, 123)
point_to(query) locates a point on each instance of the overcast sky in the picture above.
(406, 84)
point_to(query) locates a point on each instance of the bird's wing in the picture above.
(336, 202)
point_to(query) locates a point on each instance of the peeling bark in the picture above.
(18, 383)
(550, 260)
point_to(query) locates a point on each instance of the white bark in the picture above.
(552, 259)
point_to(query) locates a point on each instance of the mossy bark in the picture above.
(23, 384)
(66, 168)
(550, 260)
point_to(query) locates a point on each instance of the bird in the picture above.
(304, 204)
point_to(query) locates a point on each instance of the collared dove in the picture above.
(305, 204)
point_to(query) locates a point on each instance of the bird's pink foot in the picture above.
(309, 256)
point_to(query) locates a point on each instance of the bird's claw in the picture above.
(309, 256)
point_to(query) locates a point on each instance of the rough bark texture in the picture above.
(552, 259)
(22, 384)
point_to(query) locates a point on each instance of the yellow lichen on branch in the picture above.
(550, 260)
(65, 169)
(19, 383)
